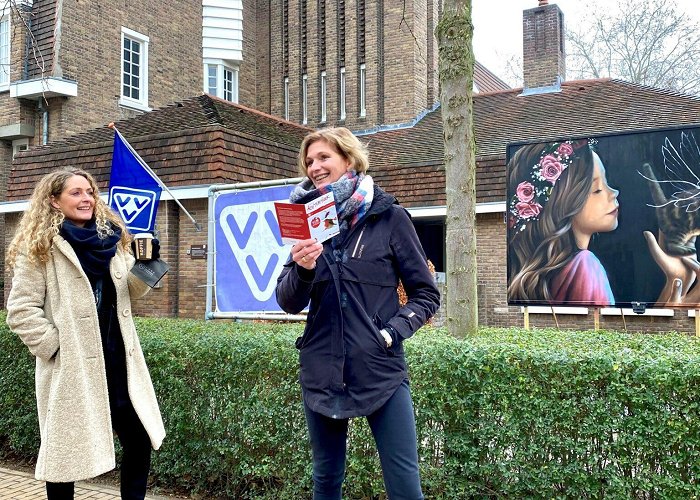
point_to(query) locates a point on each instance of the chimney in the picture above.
(544, 57)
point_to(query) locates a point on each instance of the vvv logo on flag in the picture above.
(135, 206)
(133, 191)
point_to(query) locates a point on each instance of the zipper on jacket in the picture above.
(359, 238)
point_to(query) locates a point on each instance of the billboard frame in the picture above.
(625, 300)
(214, 191)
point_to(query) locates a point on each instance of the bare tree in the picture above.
(650, 42)
(456, 74)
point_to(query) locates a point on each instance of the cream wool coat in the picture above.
(51, 308)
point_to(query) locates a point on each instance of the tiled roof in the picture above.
(408, 162)
(485, 81)
(201, 140)
(204, 140)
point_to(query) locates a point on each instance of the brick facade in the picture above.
(82, 42)
(203, 141)
(200, 141)
(254, 69)
(400, 58)
(90, 53)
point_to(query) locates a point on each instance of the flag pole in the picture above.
(197, 227)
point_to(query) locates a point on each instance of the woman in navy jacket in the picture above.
(351, 353)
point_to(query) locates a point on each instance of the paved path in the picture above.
(17, 485)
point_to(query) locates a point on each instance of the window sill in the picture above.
(134, 105)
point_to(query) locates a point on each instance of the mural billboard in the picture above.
(605, 221)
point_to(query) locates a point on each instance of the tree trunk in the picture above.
(456, 73)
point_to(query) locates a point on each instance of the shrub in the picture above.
(506, 413)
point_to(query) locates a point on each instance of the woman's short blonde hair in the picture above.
(345, 144)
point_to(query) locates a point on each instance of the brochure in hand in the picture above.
(315, 219)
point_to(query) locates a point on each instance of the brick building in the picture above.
(357, 63)
(546, 108)
(285, 40)
(67, 67)
(190, 145)
(75, 67)
(360, 64)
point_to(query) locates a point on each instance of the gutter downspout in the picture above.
(43, 107)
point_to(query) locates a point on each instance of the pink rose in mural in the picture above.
(528, 210)
(525, 191)
(565, 149)
(551, 168)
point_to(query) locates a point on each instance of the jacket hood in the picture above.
(382, 201)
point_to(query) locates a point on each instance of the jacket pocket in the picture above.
(379, 324)
(303, 340)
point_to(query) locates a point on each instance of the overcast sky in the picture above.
(498, 26)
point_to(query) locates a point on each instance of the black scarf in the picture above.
(94, 253)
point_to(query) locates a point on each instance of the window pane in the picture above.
(4, 51)
(227, 85)
(132, 69)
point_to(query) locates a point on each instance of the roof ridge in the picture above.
(219, 100)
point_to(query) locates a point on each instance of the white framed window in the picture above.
(304, 99)
(221, 79)
(19, 145)
(363, 95)
(230, 84)
(286, 98)
(212, 78)
(323, 96)
(134, 71)
(341, 93)
(4, 50)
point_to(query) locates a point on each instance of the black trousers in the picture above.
(136, 459)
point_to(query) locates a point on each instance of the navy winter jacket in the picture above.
(345, 368)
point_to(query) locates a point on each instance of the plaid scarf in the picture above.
(353, 195)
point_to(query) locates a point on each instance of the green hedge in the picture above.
(541, 414)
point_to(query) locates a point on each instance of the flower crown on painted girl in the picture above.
(531, 195)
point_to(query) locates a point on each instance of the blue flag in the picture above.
(134, 191)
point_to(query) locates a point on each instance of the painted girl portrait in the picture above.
(559, 199)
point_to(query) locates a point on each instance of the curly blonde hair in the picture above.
(343, 141)
(41, 221)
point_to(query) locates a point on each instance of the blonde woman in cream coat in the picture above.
(68, 247)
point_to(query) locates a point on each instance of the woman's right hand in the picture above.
(305, 253)
(681, 272)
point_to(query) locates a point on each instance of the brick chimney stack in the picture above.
(544, 56)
